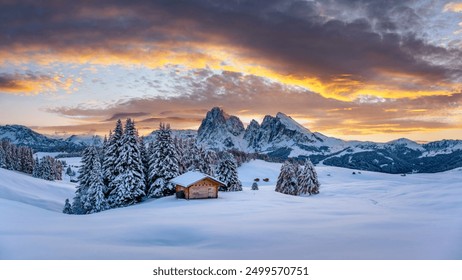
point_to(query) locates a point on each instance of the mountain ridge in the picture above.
(23, 136)
(280, 137)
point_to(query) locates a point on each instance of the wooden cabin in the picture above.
(195, 185)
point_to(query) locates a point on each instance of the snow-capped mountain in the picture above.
(221, 131)
(85, 140)
(279, 135)
(282, 137)
(24, 136)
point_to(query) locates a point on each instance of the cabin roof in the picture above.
(191, 177)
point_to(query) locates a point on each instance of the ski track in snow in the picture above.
(364, 216)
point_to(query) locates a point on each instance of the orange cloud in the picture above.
(32, 84)
(453, 7)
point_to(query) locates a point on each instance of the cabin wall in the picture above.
(203, 189)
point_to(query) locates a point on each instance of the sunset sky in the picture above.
(354, 69)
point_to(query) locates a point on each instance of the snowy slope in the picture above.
(18, 187)
(364, 216)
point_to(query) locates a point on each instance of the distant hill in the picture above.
(24, 136)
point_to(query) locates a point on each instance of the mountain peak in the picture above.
(407, 143)
(291, 123)
(217, 126)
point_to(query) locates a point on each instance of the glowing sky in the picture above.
(355, 69)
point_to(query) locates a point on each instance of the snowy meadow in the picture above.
(362, 216)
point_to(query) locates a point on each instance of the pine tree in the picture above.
(287, 179)
(70, 173)
(85, 179)
(129, 183)
(314, 178)
(254, 186)
(304, 180)
(227, 173)
(145, 162)
(57, 167)
(95, 200)
(205, 162)
(2, 157)
(46, 168)
(194, 156)
(111, 155)
(36, 172)
(27, 160)
(9, 155)
(67, 207)
(163, 164)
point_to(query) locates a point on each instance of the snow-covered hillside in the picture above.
(363, 216)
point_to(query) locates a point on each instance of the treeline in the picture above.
(126, 170)
(21, 158)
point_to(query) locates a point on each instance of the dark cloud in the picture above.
(28, 83)
(8, 82)
(291, 37)
(126, 115)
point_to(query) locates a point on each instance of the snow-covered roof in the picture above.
(189, 178)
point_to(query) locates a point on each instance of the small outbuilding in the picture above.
(194, 185)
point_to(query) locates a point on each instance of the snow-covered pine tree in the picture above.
(57, 167)
(70, 172)
(111, 155)
(186, 149)
(2, 157)
(227, 173)
(26, 158)
(95, 200)
(129, 184)
(145, 161)
(67, 207)
(78, 203)
(163, 164)
(287, 179)
(304, 179)
(314, 189)
(36, 172)
(46, 168)
(9, 155)
(205, 161)
(254, 186)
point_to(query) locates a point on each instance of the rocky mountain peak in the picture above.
(220, 129)
(290, 123)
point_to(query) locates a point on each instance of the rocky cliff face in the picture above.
(275, 134)
(221, 131)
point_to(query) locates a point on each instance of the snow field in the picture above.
(364, 216)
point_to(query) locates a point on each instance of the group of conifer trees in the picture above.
(21, 158)
(126, 170)
(295, 179)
